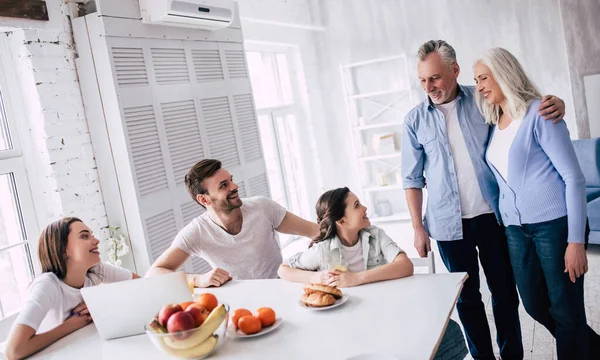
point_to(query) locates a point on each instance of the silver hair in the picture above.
(446, 51)
(512, 80)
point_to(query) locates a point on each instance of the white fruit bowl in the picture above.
(192, 344)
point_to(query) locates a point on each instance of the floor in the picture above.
(537, 341)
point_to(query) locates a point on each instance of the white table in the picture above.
(404, 318)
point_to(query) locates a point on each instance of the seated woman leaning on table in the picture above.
(349, 251)
(70, 260)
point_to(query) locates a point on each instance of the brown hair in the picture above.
(53, 245)
(330, 207)
(194, 179)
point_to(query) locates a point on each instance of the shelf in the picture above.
(382, 188)
(395, 217)
(376, 93)
(379, 157)
(377, 126)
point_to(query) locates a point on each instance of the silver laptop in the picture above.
(123, 308)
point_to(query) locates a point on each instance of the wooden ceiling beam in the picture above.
(24, 9)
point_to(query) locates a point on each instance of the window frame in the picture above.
(295, 109)
(13, 161)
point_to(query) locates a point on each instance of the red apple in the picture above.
(166, 312)
(180, 322)
(198, 312)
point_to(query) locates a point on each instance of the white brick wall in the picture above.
(55, 137)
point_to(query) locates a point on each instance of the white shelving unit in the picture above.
(378, 96)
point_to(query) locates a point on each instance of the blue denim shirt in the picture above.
(427, 160)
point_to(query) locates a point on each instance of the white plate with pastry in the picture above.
(237, 333)
(305, 304)
(321, 297)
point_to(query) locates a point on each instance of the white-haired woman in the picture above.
(542, 202)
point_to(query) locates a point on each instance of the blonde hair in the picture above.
(512, 80)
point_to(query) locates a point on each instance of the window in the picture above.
(18, 260)
(278, 120)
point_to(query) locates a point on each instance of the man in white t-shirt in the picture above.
(237, 238)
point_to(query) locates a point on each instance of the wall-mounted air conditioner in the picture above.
(199, 14)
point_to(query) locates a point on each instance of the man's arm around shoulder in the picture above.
(295, 225)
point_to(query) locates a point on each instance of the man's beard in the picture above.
(227, 205)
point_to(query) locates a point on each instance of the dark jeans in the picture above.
(537, 254)
(452, 346)
(483, 235)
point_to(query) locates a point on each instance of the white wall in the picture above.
(262, 23)
(56, 142)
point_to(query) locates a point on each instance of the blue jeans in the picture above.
(537, 255)
(484, 240)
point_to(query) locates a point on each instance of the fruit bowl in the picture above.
(197, 343)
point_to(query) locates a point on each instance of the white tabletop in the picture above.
(404, 318)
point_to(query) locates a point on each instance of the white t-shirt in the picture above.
(254, 253)
(354, 257)
(499, 148)
(472, 202)
(50, 300)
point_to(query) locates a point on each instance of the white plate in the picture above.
(337, 303)
(238, 334)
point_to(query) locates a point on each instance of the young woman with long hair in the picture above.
(70, 260)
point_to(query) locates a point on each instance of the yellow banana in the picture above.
(194, 352)
(212, 322)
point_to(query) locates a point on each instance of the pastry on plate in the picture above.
(331, 290)
(318, 299)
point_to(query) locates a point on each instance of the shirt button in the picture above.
(503, 196)
(458, 211)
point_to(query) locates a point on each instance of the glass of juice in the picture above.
(335, 261)
(191, 285)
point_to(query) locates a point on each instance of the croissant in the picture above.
(335, 292)
(318, 299)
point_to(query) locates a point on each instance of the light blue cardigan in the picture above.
(545, 181)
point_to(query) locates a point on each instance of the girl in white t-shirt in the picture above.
(349, 251)
(69, 256)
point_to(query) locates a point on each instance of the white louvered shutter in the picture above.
(169, 100)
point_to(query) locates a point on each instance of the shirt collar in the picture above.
(335, 242)
(431, 105)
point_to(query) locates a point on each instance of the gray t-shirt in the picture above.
(254, 253)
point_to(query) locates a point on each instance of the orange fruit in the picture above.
(266, 315)
(237, 314)
(208, 300)
(249, 324)
(184, 305)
